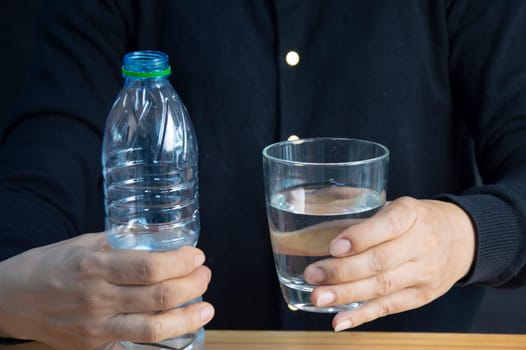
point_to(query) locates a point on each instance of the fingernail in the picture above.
(340, 247)
(199, 259)
(206, 313)
(342, 325)
(325, 298)
(315, 275)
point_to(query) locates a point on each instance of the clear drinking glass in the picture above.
(314, 189)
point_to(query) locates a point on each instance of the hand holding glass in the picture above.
(314, 189)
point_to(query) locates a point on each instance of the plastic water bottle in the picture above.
(149, 161)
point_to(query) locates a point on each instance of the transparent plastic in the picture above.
(150, 169)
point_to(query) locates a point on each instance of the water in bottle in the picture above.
(149, 161)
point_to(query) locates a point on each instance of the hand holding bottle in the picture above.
(81, 293)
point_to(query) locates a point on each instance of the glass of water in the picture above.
(314, 189)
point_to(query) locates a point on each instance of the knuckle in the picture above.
(89, 331)
(164, 297)
(384, 285)
(383, 309)
(152, 331)
(338, 272)
(406, 215)
(148, 271)
(423, 278)
(381, 257)
(91, 302)
(348, 295)
(406, 201)
(88, 264)
(424, 297)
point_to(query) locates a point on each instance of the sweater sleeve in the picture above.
(50, 174)
(488, 80)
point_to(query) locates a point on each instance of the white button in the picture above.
(293, 138)
(292, 58)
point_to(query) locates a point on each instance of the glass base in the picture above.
(328, 309)
(190, 341)
(298, 298)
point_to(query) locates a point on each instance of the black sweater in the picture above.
(441, 83)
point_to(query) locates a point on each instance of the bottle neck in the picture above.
(131, 82)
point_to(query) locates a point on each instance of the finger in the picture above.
(132, 267)
(406, 299)
(153, 328)
(370, 288)
(368, 263)
(389, 223)
(164, 295)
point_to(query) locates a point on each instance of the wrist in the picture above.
(5, 336)
(459, 224)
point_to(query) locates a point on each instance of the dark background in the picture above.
(504, 311)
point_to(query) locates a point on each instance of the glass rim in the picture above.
(266, 154)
